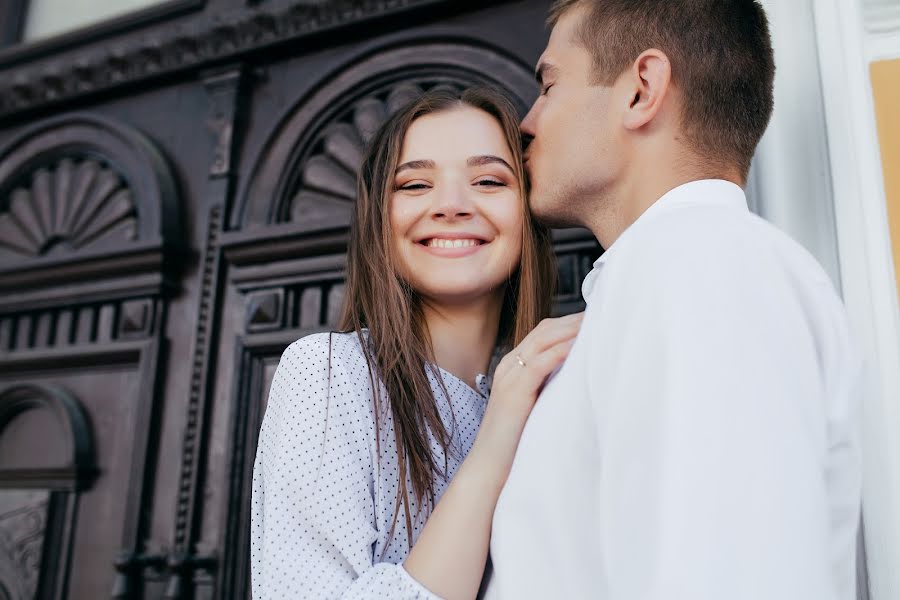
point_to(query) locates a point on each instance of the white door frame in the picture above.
(867, 273)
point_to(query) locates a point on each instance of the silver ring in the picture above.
(520, 360)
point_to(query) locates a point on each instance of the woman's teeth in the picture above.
(439, 243)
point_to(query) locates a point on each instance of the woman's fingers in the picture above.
(516, 385)
(548, 360)
(548, 334)
(527, 367)
(537, 368)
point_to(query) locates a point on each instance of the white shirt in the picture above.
(700, 442)
(323, 495)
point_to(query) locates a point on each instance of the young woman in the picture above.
(380, 459)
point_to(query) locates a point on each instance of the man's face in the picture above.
(576, 151)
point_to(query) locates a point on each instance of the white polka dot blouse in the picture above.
(326, 477)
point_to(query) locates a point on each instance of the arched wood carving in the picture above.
(65, 207)
(83, 183)
(38, 491)
(307, 173)
(66, 428)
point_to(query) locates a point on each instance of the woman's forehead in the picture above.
(454, 136)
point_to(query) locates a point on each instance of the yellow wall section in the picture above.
(886, 87)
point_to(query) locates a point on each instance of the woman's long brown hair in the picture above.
(397, 345)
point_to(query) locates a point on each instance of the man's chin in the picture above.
(551, 212)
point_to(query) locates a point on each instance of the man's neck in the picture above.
(627, 201)
(463, 336)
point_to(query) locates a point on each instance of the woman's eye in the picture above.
(414, 186)
(546, 89)
(490, 183)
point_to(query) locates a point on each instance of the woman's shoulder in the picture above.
(316, 371)
(325, 354)
(322, 346)
(315, 405)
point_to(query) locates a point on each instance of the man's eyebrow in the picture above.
(545, 70)
(415, 164)
(487, 159)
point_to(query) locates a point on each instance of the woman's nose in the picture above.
(452, 202)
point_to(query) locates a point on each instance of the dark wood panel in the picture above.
(173, 213)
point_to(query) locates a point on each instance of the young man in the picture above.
(700, 442)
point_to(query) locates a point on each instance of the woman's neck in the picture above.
(463, 336)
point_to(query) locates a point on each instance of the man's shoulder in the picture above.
(734, 248)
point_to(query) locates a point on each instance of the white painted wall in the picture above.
(790, 183)
(817, 175)
(881, 15)
(869, 286)
(50, 17)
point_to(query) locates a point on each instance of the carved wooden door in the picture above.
(162, 243)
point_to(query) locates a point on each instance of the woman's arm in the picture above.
(313, 515)
(450, 553)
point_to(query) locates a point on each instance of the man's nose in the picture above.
(527, 124)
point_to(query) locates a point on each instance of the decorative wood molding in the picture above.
(71, 425)
(187, 562)
(284, 240)
(253, 354)
(30, 330)
(180, 48)
(228, 92)
(78, 184)
(22, 539)
(79, 270)
(17, 51)
(265, 310)
(189, 453)
(67, 207)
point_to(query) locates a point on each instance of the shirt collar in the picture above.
(700, 193)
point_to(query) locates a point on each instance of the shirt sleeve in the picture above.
(313, 526)
(715, 432)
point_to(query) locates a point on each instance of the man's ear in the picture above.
(648, 79)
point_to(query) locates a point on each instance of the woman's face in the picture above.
(456, 211)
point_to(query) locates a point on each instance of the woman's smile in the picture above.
(452, 245)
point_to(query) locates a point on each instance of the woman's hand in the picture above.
(459, 530)
(518, 380)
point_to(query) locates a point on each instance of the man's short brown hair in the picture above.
(721, 57)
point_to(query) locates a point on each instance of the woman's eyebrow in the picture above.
(415, 164)
(487, 159)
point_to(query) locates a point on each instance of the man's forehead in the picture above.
(564, 32)
(556, 56)
(563, 38)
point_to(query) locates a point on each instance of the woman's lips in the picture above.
(452, 248)
(437, 242)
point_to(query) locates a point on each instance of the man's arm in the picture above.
(714, 441)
